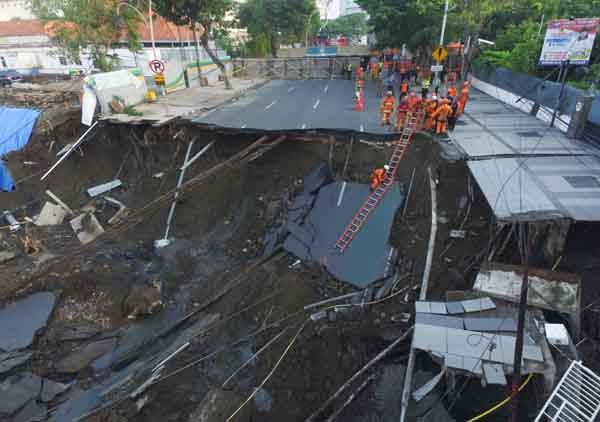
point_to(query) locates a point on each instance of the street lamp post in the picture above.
(147, 20)
(437, 81)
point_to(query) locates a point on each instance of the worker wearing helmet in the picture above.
(441, 114)
(403, 109)
(430, 108)
(387, 108)
(378, 176)
(464, 96)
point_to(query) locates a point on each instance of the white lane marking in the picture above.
(291, 89)
(326, 88)
(303, 126)
(271, 105)
(339, 202)
(362, 128)
(316, 104)
(244, 126)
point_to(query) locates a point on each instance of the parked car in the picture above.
(7, 77)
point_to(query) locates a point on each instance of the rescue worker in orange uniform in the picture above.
(378, 176)
(430, 109)
(452, 91)
(360, 72)
(413, 102)
(401, 116)
(464, 96)
(441, 114)
(403, 88)
(387, 108)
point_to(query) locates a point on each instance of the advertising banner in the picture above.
(569, 39)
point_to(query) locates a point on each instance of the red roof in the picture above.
(22, 27)
(163, 30)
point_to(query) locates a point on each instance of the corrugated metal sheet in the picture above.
(536, 188)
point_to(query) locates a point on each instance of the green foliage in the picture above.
(210, 14)
(258, 46)
(281, 21)
(92, 26)
(350, 26)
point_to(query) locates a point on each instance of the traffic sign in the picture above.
(439, 54)
(437, 67)
(159, 79)
(157, 66)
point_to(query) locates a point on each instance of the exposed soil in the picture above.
(219, 230)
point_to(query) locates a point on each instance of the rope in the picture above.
(502, 403)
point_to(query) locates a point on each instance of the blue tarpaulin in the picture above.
(15, 129)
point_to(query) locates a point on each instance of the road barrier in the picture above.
(294, 68)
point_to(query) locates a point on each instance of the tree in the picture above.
(94, 26)
(281, 21)
(350, 26)
(209, 14)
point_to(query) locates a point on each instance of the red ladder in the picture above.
(377, 195)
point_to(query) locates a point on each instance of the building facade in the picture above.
(15, 9)
(26, 46)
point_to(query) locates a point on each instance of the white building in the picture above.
(349, 7)
(26, 46)
(15, 9)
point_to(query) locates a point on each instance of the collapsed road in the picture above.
(247, 311)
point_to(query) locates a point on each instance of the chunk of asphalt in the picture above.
(83, 356)
(17, 390)
(51, 389)
(11, 360)
(21, 320)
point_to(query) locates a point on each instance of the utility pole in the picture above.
(516, 378)
(442, 33)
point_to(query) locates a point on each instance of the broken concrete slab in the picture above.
(31, 412)
(82, 357)
(86, 227)
(17, 390)
(103, 188)
(51, 389)
(21, 320)
(11, 360)
(51, 215)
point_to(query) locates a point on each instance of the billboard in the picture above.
(321, 51)
(569, 39)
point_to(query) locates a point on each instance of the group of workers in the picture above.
(441, 113)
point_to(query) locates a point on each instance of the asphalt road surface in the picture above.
(292, 105)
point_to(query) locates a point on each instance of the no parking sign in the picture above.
(157, 66)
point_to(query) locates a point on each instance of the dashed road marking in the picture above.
(291, 89)
(244, 126)
(339, 202)
(362, 128)
(271, 105)
(316, 104)
(303, 126)
(326, 88)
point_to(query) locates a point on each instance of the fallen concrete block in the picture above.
(51, 215)
(86, 227)
(51, 389)
(103, 188)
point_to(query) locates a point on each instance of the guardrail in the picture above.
(293, 68)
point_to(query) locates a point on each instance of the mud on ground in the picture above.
(219, 230)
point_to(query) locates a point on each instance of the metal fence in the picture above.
(543, 92)
(294, 68)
